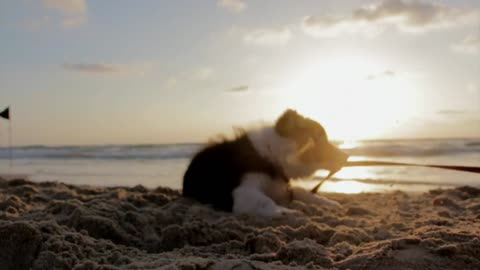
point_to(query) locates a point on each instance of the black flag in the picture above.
(6, 113)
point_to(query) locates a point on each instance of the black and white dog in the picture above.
(251, 174)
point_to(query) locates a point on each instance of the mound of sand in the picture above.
(57, 226)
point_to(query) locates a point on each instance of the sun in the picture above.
(354, 97)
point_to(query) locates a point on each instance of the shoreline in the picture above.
(333, 185)
(51, 225)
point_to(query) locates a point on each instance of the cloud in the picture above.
(240, 88)
(411, 14)
(451, 112)
(268, 36)
(92, 68)
(406, 16)
(67, 6)
(381, 75)
(71, 12)
(327, 26)
(233, 5)
(469, 45)
(109, 69)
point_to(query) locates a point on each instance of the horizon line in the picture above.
(206, 142)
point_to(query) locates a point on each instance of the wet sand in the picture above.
(50, 225)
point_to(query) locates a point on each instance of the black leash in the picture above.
(386, 163)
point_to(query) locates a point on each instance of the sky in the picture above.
(80, 72)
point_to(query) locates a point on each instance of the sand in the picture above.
(52, 225)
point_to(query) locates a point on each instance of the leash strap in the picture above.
(315, 188)
(386, 163)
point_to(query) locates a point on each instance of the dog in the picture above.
(251, 174)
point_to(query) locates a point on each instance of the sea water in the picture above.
(165, 164)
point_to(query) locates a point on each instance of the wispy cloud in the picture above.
(469, 45)
(233, 5)
(240, 88)
(412, 15)
(328, 26)
(92, 68)
(108, 69)
(406, 16)
(67, 6)
(268, 36)
(381, 75)
(71, 12)
(452, 112)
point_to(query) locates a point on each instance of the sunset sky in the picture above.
(115, 72)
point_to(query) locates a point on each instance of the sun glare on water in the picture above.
(349, 187)
(353, 97)
(342, 186)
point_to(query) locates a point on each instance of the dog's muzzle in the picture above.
(334, 158)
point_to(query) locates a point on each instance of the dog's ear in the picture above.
(287, 122)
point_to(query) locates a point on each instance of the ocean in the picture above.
(164, 164)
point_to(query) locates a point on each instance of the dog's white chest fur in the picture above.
(262, 196)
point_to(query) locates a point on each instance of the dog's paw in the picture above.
(277, 212)
(322, 201)
(283, 211)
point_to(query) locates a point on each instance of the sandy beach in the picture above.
(51, 225)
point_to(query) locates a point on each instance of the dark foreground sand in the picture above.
(56, 226)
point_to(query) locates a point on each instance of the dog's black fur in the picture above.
(260, 164)
(217, 170)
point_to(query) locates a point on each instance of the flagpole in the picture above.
(10, 144)
(6, 114)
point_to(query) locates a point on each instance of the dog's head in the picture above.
(312, 150)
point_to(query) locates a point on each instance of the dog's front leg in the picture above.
(305, 196)
(250, 198)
